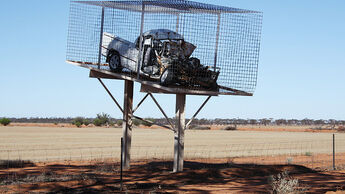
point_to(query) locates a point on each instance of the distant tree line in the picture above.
(162, 121)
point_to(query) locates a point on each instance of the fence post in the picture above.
(333, 151)
(121, 163)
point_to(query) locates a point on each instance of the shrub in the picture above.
(78, 124)
(104, 118)
(230, 128)
(119, 122)
(148, 124)
(86, 122)
(341, 129)
(136, 122)
(78, 121)
(5, 121)
(284, 184)
(97, 122)
(199, 127)
(308, 154)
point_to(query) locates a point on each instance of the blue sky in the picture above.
(301, 69)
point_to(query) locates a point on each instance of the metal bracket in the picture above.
(197, 112)
(142, 100)
(112, 97)
(160, 108)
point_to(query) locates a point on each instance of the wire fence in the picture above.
(315, 153)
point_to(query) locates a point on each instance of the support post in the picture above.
(127, 123)
(333, 152)
(179, 133)
(121, 164)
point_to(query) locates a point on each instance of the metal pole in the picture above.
(140, 102)
(179, 133)
(141, 53)
(197, 112)
(121, 169)
(217, 42)
(127, 124)
(177, 22)
(333, 152)
(162, 111)
(112, 97)
(101, 40)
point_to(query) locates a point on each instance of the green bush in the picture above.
(97, 122)
(5, 121)
(78, 124)
(78, 121)
(136, 122)
(104, 118)
(148, 124)
(230, 128)
(86, 122)
(119, 122)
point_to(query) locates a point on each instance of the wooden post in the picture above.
(127, 123)
(333, 152)
(121, 169)
(179, 133)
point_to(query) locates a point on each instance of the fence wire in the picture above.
(306, 152)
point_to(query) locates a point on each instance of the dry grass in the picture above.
(49, 144)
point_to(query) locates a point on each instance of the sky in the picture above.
(301, 68)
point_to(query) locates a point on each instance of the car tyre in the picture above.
(115, 62)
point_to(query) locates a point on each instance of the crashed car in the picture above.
(166, 57)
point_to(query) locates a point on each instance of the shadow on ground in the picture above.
(157, 177)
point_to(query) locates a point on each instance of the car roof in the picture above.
(161, 34)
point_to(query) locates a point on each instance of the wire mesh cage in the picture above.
(175, 43)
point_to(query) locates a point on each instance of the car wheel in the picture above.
(167, 77)
(115, 62)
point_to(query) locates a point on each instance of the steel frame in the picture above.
(128, 114)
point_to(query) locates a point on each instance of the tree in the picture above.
(5, 121)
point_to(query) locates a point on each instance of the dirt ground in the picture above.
(217, 161)
(213, 176)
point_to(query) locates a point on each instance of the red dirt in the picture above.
(213, 176)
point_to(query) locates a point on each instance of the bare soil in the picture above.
(213, 176)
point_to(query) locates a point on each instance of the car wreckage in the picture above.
(166, 58)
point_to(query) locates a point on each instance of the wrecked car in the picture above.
(166, 57)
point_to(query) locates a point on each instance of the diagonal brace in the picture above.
(197, 112)
(140, 103)
(160, 108)
(112, 97)
(153, 123)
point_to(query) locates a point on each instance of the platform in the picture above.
(151, 86)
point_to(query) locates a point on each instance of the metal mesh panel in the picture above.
(227, 41)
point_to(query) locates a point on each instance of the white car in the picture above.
(166, 57)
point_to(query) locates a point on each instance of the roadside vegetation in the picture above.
(104, 119)
(5, 121)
